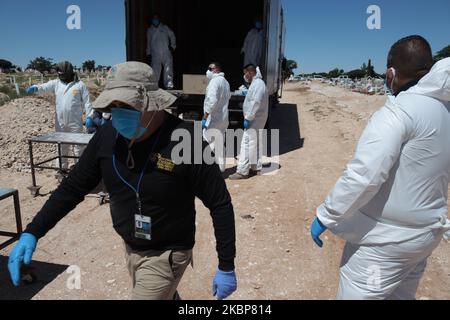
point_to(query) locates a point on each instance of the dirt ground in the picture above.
(276, 258)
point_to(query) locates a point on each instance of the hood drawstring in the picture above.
(130, 159)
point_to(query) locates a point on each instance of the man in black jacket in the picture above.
(152, 198)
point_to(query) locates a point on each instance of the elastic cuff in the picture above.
(226, 266)
(33, 231)
(324, 217)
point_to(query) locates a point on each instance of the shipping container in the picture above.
(209, 31)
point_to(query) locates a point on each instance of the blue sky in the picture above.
(38, 28)
(321, 34)
(325, 34)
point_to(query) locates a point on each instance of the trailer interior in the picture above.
(206, 31)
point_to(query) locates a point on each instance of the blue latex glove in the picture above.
(32, 89)
(89, 122)
(246, 124)
(224, 284)
(22, 252)
(91, 125)
(317, 228)
(204, 124)
(97, 122)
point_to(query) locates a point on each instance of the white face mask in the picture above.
(209, 74)
(247, 80)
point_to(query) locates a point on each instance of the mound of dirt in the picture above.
(20, 120)
(25, 118)
(4, 98)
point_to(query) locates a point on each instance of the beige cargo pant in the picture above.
(156, 274)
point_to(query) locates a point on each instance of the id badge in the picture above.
(143, 227)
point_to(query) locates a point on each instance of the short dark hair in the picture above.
(217, 64)
(411, 56)
(250, 67)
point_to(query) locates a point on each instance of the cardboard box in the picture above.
(194, 83)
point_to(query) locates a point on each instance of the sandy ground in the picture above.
(276, 259)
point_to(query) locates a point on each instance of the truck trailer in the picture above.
(208, 31)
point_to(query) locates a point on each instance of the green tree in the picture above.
(358, 73)
(444, 53)
(288, 68)
(5, 64)
(41, 64)
(89, 65)
(364, 67)
(370, 72)
(335, 73)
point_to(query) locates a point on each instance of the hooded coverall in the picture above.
(72, 100)
(391, 203)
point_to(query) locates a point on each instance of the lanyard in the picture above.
(136, 189)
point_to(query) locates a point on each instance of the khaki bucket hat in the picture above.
(134, 84)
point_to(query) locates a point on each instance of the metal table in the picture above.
(6, 193)
(58, 138)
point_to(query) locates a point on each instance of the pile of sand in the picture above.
(25, 118)
(4, 98)
(20, 120)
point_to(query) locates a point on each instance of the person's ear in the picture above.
(389, 75)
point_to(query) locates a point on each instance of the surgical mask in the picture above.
(258, 25)
(128, 123)
(156, 22)
(209, 74)
(247, 80)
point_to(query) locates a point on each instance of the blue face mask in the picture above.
(156, 22)
(258, 25)
(127, 123)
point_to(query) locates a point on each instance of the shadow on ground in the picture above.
(45, 273)
(286, 119)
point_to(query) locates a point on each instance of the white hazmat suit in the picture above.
(256, 110)
(391, 203)
(159, 40)
(253, 47)
(217, 98)
(72, 100)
